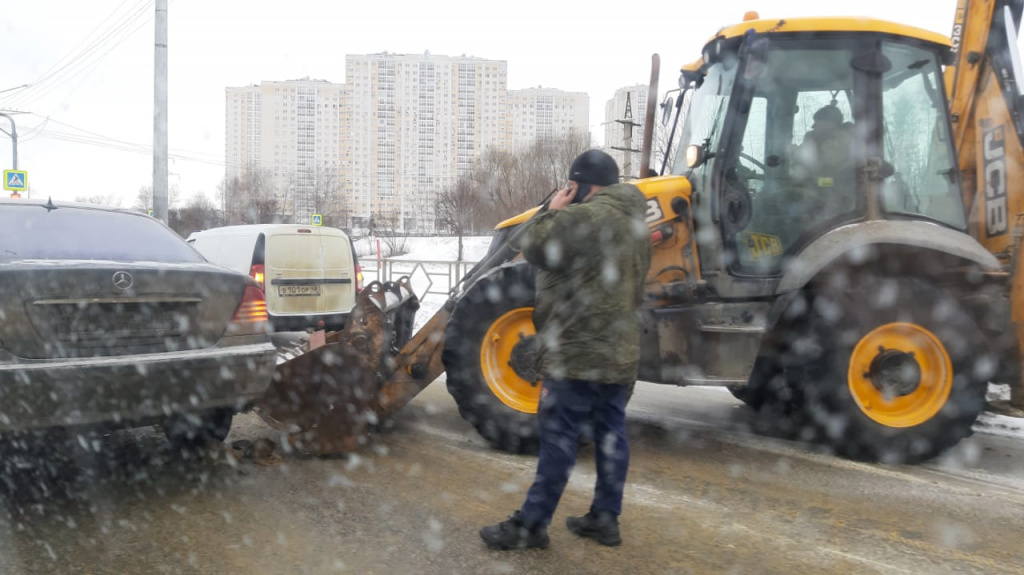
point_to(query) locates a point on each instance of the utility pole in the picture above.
(652, 101)
(14, 138)
(160, 114)
(627, 138)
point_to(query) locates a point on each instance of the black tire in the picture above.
(191, 432)
(502, 290)
(845, 310)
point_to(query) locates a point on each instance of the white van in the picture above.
(310, 274)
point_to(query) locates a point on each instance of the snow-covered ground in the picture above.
(425, 249)
(475, 248)
(996, 424)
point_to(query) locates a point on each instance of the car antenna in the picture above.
(49, 204)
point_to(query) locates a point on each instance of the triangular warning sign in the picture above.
(14, 181)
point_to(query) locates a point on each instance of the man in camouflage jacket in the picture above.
(592, 250)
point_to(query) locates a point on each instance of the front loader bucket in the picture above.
(326, 399)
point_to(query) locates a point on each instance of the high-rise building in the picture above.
(291, 131)
(546, 114)
(399, 131)
(628, 105)
(418, 122)
(242, 130)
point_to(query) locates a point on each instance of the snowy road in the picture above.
(705, 496)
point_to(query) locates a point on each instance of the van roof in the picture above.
(264, 228)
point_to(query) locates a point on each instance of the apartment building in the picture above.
(401, 129)
(546, 114)
(291, 130)
(417, 122)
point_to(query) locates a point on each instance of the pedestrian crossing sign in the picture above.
(318, 220)
(15, 180)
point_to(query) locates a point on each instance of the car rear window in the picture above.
(32, 232)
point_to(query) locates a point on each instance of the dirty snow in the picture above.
(995, 424)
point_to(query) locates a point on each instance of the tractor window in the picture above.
(917, 139)
(793, 171)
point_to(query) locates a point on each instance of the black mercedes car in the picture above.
(107, 317)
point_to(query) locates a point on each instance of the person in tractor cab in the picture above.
(591, 249)
(827, 150)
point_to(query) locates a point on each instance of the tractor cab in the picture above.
(797, 127)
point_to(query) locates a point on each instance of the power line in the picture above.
(88, 59)
(101, 38)
(80, 42)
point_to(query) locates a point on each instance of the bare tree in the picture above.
(251, 198)
(144, 199)
(510, 183)
(457, 208)
(199, 213)
(112, 200)
(326, 197)
(384, 225)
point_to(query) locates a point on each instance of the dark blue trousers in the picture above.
(566, 408)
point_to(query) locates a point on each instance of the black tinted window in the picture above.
(31, 232)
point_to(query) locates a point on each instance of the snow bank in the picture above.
(433, 248)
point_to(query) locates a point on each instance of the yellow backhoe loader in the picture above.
(834, 244)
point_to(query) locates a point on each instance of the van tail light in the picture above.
(359, 278)
(256, 273)
(251, 315)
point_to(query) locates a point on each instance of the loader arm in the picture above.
(984, 86)
(987, 115)
(328, 398)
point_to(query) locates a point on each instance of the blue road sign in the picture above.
(318, 220)
(15, 180)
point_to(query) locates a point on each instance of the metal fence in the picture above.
(428, 277)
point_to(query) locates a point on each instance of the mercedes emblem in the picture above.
(123, 280)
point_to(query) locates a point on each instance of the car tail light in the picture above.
(256, 272)
(251, 315)
(359, 278)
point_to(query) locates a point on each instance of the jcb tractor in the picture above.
(816, 251)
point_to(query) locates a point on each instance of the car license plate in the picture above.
(287, 291)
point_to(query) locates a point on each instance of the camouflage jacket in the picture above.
(591, 261)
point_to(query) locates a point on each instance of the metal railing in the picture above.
(428, 277)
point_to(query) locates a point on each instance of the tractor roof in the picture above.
(825, 25)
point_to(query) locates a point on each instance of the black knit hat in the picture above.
(594, 167)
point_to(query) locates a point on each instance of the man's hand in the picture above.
(562, 198)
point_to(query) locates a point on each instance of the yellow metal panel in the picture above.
(674, 260)
(516, 220)
(790, 25)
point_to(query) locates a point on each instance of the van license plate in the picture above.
(286, 291)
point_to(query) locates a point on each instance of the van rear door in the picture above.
(308, 272)
(294, 271)
(340, 296)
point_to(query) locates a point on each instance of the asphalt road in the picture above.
(705, 496)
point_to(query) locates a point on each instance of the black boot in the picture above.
(600, 526)
(514, 534)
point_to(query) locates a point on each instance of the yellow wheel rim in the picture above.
(496, 354)
(900, 375)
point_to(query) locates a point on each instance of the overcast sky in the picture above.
(592, 47)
